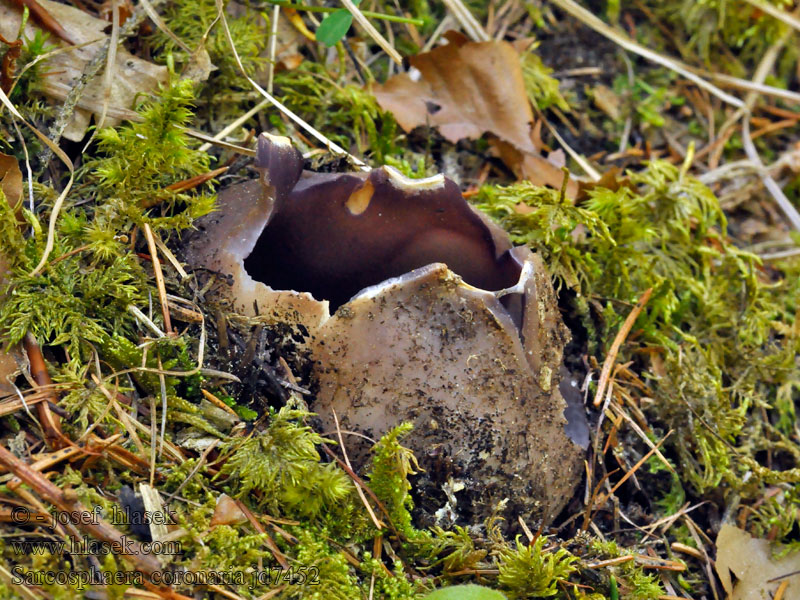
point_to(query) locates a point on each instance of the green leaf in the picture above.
(334, 27)
(465, 592)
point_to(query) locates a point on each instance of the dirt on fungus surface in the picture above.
(488, 428)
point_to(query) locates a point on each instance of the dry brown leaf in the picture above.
(227, 512)
(534, 168)
(753, 563)
(11, 185)
(132, 75)
(466, 89)
(10, 179)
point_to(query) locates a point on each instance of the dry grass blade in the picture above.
(463, 15)
(24, 592)
(373, 33)
(111, 62)
(590, 20)
(51, 229)
(159, 275)
(750, 86)
(235, 124)
(764, 67)
(159, 22)
(378, 524)
(584, 164)
(332, 147)
(615, 346)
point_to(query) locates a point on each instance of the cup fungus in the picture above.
(438, 322)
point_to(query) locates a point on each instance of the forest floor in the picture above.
(158, 437)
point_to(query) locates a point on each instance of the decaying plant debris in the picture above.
(669, 237)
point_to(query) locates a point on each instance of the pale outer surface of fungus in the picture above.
(428, 349)
(480, 389)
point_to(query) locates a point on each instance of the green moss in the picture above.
(84, 292)
(391, 466)
(282, 464)
(335, 579)
(723, 335)
(719, 32)
(348, 115)
(542, 89)
(140, 161)
(528, 572)
(189, 20)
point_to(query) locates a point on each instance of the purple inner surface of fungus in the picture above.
(335, 234)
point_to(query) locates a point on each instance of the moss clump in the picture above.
(721, 336)
(226, 91)
(526, 571)
(727, 32)
(282, 464)
(542, 89)
(84, 293)
(391, 466)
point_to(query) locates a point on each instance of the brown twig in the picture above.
(67, 502)
(162, 290)
(45, 19)
(184, 185)
(51, 423)
(615, 346)
(270, 543)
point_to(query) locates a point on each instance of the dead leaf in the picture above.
(534, 168)
(11, 186)
(13, 362)
(227, 512)
(199, 66)
(10, 179)
(753, 563)
(465, 90)
(133, 75)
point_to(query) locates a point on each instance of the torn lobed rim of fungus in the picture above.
(419, 277)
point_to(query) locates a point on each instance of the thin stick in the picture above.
(51, 228)
(51, 423)
(67, 502)
(332, 147)
(273, 47)
(615, 346)
(467, 21)
(378, 524)
(239, 121)
(373, 33)
(111, 63)
(590, 20)
(162, 290)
